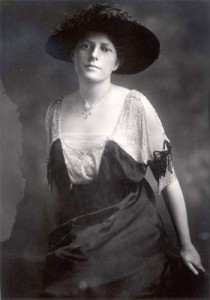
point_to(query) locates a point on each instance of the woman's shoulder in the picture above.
(137, 100)
(120, 89)
(56, 103)
(138, 96)
(129, 94)
(140, 105)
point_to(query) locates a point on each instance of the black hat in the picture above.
(137, 46)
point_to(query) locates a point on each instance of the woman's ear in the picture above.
(116, 64)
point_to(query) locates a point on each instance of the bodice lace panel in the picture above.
(82, 157)
(139, 132)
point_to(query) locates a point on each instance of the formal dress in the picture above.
(109, 242)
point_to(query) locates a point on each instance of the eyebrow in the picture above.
(91, 42)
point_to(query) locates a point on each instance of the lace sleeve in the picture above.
(52, 133)
(52, 123)
(160, 161)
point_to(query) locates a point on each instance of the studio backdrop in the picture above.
(176, 85)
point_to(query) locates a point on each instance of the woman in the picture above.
(108, 242)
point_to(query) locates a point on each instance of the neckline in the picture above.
(127, 97)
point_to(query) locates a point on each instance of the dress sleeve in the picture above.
(52, 123)
(160, 162)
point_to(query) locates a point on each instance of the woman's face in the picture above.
(95, 57)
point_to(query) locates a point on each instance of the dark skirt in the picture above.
(110, 243)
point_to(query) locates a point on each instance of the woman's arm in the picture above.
(175, 203)
(169, 185)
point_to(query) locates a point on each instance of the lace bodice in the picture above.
(82, 157)
(133, 134)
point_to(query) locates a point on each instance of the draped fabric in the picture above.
(109, 242)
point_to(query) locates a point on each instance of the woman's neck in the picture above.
(91, 93)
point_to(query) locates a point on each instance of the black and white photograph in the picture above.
(105, 151)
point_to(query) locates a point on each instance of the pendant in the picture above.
(87, 110)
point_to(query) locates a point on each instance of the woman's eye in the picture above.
(106, 49)
(85, 46)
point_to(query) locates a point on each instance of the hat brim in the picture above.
(138, 46)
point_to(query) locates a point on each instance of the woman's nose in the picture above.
(95, 52)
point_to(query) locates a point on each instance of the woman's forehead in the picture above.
(98, 37)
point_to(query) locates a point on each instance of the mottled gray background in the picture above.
(176, 84)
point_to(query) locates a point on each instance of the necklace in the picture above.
(87, 108)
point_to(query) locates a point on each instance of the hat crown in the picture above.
(102, 11)
(95, 13)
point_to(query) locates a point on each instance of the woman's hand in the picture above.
(191, 259)
(175, 203)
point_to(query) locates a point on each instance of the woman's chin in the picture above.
(92, 77)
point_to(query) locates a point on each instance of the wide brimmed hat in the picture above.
(137, 46)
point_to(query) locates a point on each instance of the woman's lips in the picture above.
(92, 66)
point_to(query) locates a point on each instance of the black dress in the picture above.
(109, 243)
